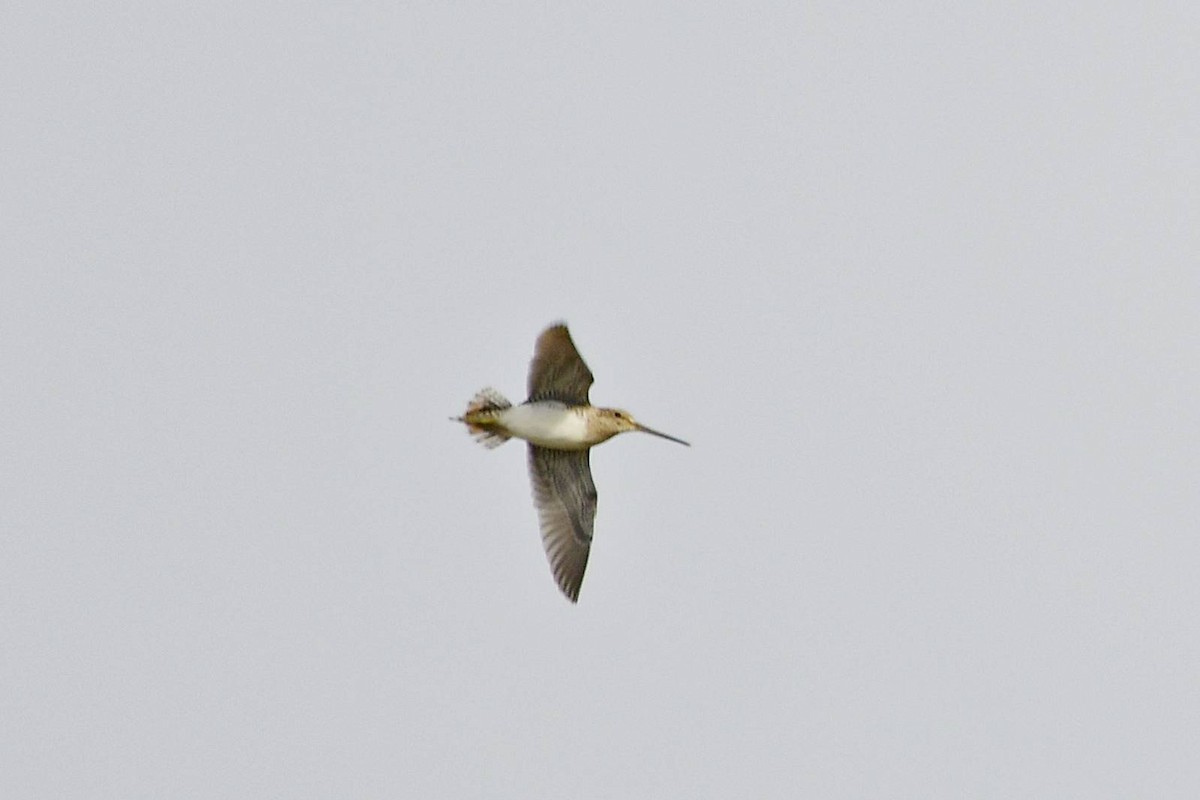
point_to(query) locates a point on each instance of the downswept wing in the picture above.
(565, 497)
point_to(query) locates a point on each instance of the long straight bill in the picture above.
(660, 434)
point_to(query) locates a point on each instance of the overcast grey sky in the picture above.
(919, 281)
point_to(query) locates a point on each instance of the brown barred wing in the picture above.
(557, 371)
(565, 497)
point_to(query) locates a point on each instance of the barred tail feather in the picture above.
(481, 417)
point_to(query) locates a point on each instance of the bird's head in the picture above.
(617, 420)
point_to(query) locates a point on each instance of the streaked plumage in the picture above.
(561, 426)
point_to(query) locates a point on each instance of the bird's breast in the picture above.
(548, 424)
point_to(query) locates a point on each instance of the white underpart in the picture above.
(547, 424)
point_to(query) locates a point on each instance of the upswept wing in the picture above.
(557, 371)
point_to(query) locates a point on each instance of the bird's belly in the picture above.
(550, 425)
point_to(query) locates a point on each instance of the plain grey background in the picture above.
(919, 281)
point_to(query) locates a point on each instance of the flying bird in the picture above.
(561, 426)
